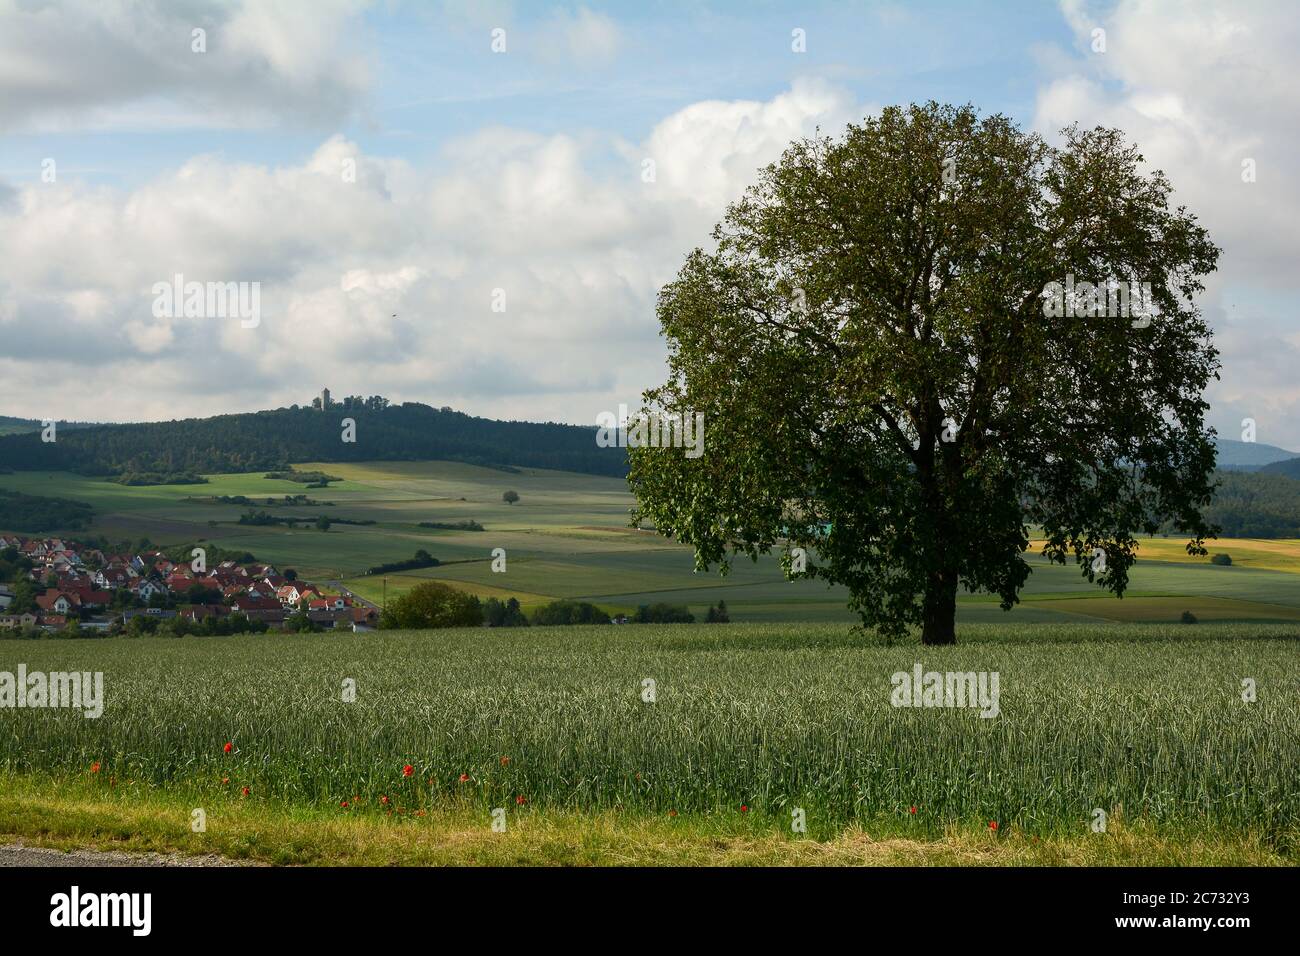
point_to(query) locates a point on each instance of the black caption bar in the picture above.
(135, 905)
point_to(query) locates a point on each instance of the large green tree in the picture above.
(877, 345)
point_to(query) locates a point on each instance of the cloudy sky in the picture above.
(128, 156)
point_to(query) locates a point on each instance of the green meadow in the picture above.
(749, 729)
(568, 537)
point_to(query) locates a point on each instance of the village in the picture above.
(60, 585)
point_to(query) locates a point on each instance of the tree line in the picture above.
(1257, 504)
(432, 604)
(32, 513)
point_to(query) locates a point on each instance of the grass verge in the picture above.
(69, 814)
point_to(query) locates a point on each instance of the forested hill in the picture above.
(274, 439)
(1290, 468)
(13, 426)
(1256, 505)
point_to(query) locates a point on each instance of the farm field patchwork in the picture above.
(1146, 722)
(568, 538)
(1267, 554)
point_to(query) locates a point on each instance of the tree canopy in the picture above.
(432, 604)
(904, 369)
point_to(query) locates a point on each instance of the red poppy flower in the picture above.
(94, 767)
(672, 813)
(344, 804)
(407, 770)
(384, 800)
(744, 809)
(464, 778)
(244, 791)
(913, 809)
(225, 780)
(520, 800)
(993, 824)
(228, 747)
(505, 761)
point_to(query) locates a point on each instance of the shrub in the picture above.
(422, 559)
(1189, 618)
(301, 622)
(569, 612)
(143, 478)
(432, 604)
(140, 626)
(312, 479)
(662, 613)
(718, 615)
(1221, 559)
(498, 613)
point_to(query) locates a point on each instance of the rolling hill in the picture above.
(272, 439)
(16, 426)
(1289, 468)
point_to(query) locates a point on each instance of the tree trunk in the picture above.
(939, 609)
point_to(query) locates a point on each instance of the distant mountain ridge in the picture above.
(270, 440)
(1249, 455)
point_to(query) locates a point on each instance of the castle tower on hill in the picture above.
(324, 399)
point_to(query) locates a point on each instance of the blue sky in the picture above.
(520, 171)
(436, 78)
